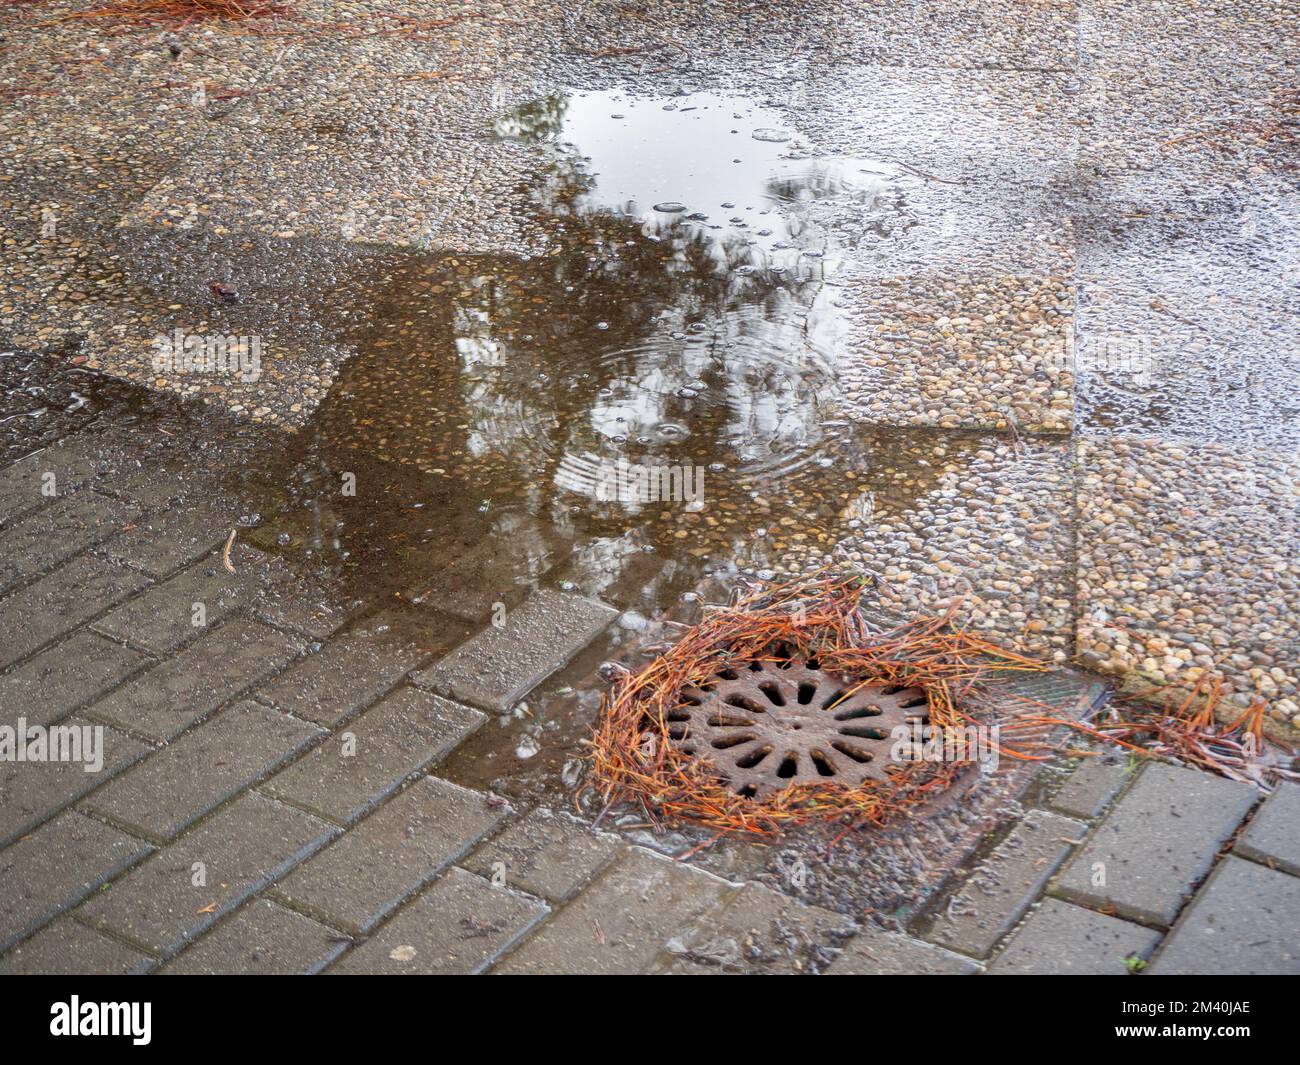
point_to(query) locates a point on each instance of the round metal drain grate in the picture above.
(772, 724)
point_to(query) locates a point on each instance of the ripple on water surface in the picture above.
(682, 319)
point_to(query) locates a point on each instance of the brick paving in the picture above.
(1146, 856)
(269, 801)
(1005, 884)
(1060, 938)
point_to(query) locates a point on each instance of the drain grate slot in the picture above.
(768, 725)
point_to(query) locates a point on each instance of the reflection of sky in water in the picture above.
(735, 367)
(699, 152)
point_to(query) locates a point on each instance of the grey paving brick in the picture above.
(188, 885)
(30, 792)
(500, 665)
(622, 922)
(23, 484)
(546, 854)
(1156, 842)
(66, 947)
(156, 485)
(400, 735)
(875, 952)
(458, 926)
(1243, 921)
(260, 938)
(467, 580)
(54, 534)
(1060, 937)
(163, 544)
(66, 677)
(1273, 836)
(760, 931)
(1006, 883)
(163, 618)
(347, 674)
(187, 687)
(57, 865)
(1088, 790)
(305, 604)
(204, 767)
(60, 602)
(387, 857)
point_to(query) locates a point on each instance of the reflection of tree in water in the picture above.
(534, 121)
(479, 379)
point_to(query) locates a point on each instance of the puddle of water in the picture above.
(658, 392)
(43, 399)
(722, 168)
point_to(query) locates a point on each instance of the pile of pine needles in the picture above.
(1194, 728)
(634, 760)
(821, 616)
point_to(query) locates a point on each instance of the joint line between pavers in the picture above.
(90, 888)
(50, 814)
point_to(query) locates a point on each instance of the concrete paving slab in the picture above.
(57, 866)
(186, 687)
(180, 609)
(68, 948)
(1242, 922)
(1061, 938)
(309, 604)
(1006, 884)
(761, 931)
(352, 771)
(546, 854)
(159, 546)
(38, 543)
(962, 352)
(459, 926)
(66, 677)
(347, 674)
(193, 881)
(261, 938)
(391, 853)
(1273, 835)
(972, 521)
(1001, 36)
(1090, 787)
(49, 474)
(32, 792)
(1180, 575)
(499, 666)
(878, 953)
(388, 856)
(1156, 843)
(73, 594)
(1184, 323)
(623, 921)
(202, 769)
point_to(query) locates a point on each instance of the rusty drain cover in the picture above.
(772, 724)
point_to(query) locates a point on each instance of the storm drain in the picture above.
(771, 724)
